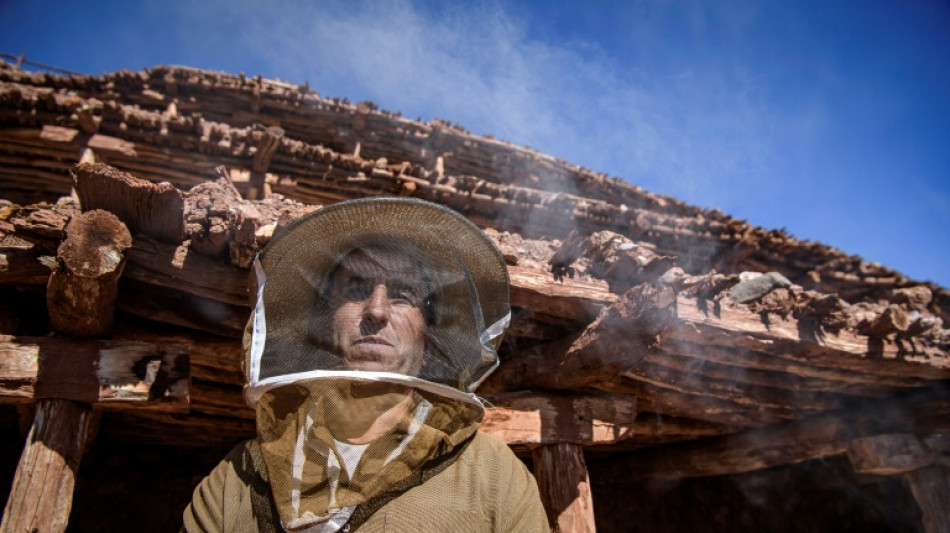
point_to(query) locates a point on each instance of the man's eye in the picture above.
(402, 295)
(357, 290)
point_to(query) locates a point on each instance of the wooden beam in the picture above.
(178, 267)
(41, 495)
(110, 374)
(724, 366)
(646, 319)
(529, 419)
(80, 299)
(570, 299)
(738, 327)
(565, 487)
(613, 343)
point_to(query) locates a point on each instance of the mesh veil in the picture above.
(459, 271)
(374, 321)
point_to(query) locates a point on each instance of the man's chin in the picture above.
(367, 366)
(369, 359)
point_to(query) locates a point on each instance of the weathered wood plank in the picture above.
(651, 344)
(156, 210)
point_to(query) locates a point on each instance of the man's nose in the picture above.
(377, 306)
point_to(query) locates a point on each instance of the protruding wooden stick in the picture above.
(258, 187)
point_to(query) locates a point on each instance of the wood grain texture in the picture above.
(565, 487)
(41, 495)
(82, 290)
(110, 374)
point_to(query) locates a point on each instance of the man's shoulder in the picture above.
(487, 453)
(244, 464)
(488, 443)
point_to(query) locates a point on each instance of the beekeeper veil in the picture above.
(374, 322)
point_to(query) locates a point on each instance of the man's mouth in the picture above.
(372, 339)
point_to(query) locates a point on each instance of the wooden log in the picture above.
(82, 290)
(565, 487)
(737, 327)
(182, 309)
(931, 488)
(19, 260)
(574, 300)
(668, 353)
(612, 344)
(156, 210)
(41, 495)
(109, 374)
(180, 268)
(529, 419)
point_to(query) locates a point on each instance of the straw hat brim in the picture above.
(311, 246)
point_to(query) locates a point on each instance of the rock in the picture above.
(757, 287)
(913, 297)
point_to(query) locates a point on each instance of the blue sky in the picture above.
(828, 119)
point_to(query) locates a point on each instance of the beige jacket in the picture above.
(486, 489)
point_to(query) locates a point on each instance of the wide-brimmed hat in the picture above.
(298, 260)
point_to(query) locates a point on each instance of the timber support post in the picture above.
(42, 492)
(81, 300)
(923, 464)
(565, 487)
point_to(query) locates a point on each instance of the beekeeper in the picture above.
(374, 322)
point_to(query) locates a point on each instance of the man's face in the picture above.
(378, 322)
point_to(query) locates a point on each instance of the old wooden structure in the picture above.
(667, 368)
